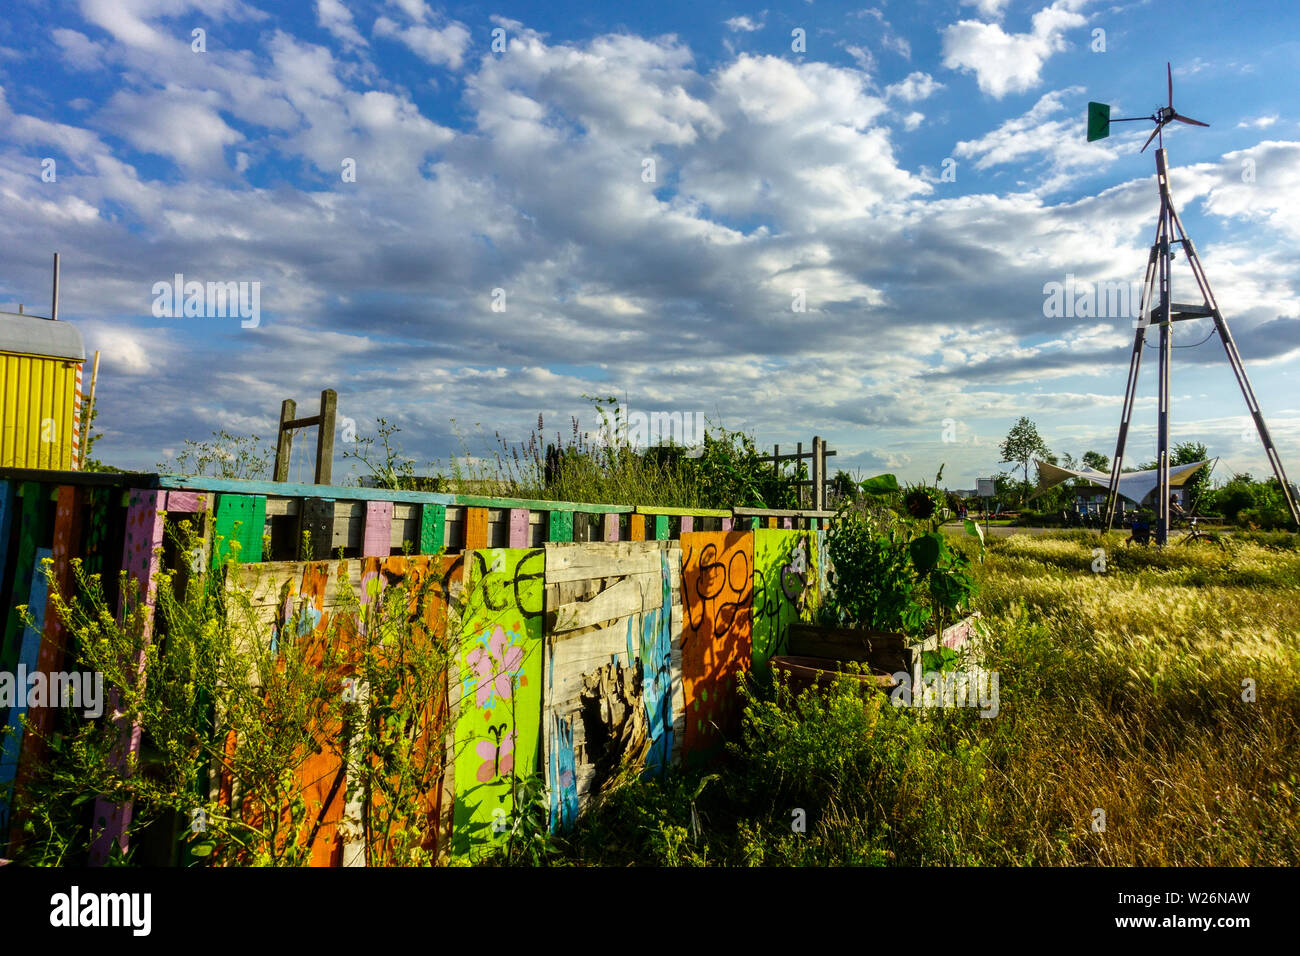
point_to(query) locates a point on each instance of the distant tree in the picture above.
(1022, 445)
(1096, 460)
(1186, 452)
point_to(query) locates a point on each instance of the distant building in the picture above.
(40, 388)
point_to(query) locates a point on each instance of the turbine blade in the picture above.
(1169, 71)
(1150, 138)
(1184, 119)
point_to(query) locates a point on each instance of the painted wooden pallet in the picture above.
(717, 636)
(612, 701)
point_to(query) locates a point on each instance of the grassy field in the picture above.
(1149, 715)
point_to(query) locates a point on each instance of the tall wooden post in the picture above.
(284, 444)
(329, 402)
(818, 474)
(798, 463)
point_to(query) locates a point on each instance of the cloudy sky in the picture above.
(649, 192)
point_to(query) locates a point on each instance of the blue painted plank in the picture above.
(11, 744)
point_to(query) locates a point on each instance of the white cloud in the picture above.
(181, 124)
(335, 17)
(78, 50)
(1009, 62)
(744, 24)
(443, 46)
(915, 86)
(991, 9)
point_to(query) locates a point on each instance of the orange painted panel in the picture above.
(717, 635)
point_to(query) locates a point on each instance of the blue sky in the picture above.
(523, 168)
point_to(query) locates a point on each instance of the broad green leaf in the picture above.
(880, 485)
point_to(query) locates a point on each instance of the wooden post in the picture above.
(90, 408)
(819, 465)
(329, 403)
(284, 443)
(798, 460)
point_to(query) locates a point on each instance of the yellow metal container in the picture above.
(40, 375)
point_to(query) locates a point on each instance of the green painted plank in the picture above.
(31, 532)
(433, 528)
(240, 518)
(8, 504)
(559, 527)
(662, 529)
(293, 489)
(476, 501)
(696, 512)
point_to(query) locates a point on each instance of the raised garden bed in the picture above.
(818, 654)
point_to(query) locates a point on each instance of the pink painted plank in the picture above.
(726, 524)
(377, 538)
(787, 522)
(611, 527)
(688, 524)
(518, 527)
(187, 501)
(140, 560)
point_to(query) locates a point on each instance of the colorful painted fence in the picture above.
(586, 642)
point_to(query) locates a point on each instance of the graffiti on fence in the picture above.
(717, 639)
(498, 691)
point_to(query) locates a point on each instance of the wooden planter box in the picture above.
(883, 651)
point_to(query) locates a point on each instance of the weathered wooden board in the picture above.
(141, 548)
(612, 559)
(782, 570)
(717, 638)
(613, 703)
(377, 536)
(496, 692)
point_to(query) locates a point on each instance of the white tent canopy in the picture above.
(1133, 485)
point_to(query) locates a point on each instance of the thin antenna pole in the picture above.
(54, 292)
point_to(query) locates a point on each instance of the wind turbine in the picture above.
(1158, 308)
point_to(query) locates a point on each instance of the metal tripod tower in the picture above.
(1159, 309)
